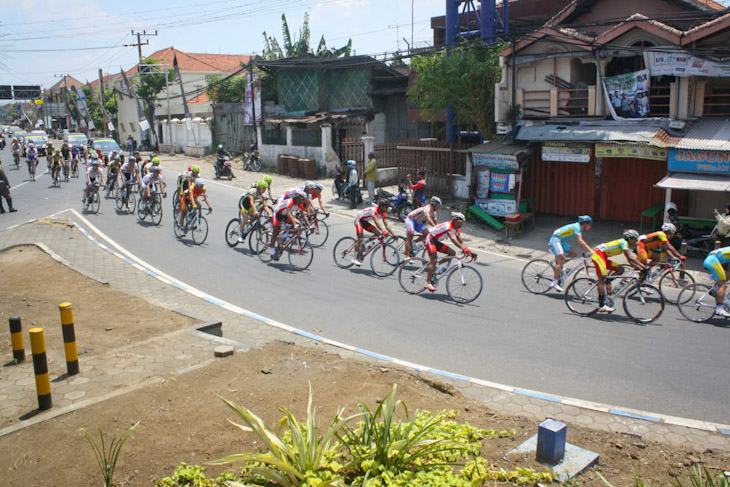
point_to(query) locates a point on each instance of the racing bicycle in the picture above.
(697, 302)
(151, 206)
(127, 197)
(56, 174)
(93, 202)
(299, 251)
(537, 275)
(317, 231)
(195, 224)
(254, 231)
(463, 282)
(384, 256)
(671, 277)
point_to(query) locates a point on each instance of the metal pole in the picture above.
(40, 366)
(16, 338)
(101, 100)
(69, 338)
(169, 128)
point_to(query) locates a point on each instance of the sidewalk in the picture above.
(149, 362)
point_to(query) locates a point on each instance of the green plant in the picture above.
(304, 458)
(107, 457)
(187, 476)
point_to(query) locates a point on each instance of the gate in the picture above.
(353, 148)
(440, 161)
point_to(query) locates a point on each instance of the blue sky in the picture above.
(215, 26)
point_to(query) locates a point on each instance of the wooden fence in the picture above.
(441, 161)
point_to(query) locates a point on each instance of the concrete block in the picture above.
(551, 441)
(223, 351)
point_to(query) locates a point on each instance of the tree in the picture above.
(150, 84)
(229, 91)
(463, 80)
(300, 47)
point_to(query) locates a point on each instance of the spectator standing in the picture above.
(5, 191)
(371, 176)
(130, 144)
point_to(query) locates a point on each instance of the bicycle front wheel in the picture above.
(119, 200)
(300, 253)
(232, 231)
(384, 260)
(344, 252)
(142, 209)
(537, 276)
(200, 231)
(643, 303)
(131, 202)
(695, 303)
(581, 296)
(156, 210)
(672, 282)
(258, 233)
(412, 275)
(262, 247)
(95, 201)
(317, 236)
(464, 284)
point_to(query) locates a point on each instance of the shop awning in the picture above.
(696, 182)
(504, 146)
(595, 132)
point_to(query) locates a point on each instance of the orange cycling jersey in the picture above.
(654, 240)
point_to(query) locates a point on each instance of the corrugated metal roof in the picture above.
(697, 182)
(499, 146)
(704, 134)
(596, 132)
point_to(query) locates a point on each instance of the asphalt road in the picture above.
(508, 336)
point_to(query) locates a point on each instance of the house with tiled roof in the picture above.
(196, 71)
(601, 98)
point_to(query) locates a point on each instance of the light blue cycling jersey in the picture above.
(567, 232)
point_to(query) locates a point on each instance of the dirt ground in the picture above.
(181, 420)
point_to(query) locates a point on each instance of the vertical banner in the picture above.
(178, 76)
(252, 113)
(627, 95)
(109, 124)
(83, 109)
(143, 123)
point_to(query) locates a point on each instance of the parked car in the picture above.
(106, 145)
(39, 142)
(42, 133)
(76, 139)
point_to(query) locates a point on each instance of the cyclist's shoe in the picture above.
(721, 311)
(240, 238)
(430, 287)
(606, 309)
(557, 287)
(356, 261)
(183, 232)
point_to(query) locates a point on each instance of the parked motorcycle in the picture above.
(223, 168)
(399, 204)
(252, 162)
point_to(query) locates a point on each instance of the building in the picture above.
(606, 92)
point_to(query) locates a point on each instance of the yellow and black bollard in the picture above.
(16, 337)
(40, 366)
(69, 338)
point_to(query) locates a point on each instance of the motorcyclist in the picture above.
(220, 156)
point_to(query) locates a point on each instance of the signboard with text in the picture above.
(684, 64)
(498, 161)
(699, 161)
(566, 152)
(650, 152)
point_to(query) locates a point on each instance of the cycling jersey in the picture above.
(420, 215)
(614, 247)
(433, 241)
(290, 193)
(254, 193)
(282, 211)
(601, 255)
(151, 179)
(92, 174)
(114, 164)
(370, 212)
(654, 242)
(716, 261)
(722, 255)
(128, 167)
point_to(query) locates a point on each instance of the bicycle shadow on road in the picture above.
(613, 318)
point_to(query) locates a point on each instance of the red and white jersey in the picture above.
(439, 231)
(370, 212)
(421, 214)
(284, 206)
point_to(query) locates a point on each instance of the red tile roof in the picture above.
(200, 62)
(199, 100)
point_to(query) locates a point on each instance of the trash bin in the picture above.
(294, 167)
(283, 164)
(308, 168)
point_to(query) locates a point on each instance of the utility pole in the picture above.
(139, 43)
(101, 98)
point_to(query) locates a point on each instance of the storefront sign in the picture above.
(627, 95)
(566, 152)
(498, 161)
(683, 64)
(701, 161)
(633, 151)
(501, 182)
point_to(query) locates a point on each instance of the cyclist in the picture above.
(15, 145)
(150, 180)
(251, 197)
(268, 179)
(419, 189)
(601, 260)
(191, 198)
(284, 213)
(650, 247)
(49, 153)
(417, 220)
(154, 161)
(378, 215)
(559, 244)
(94, 177)
(114, 165)
(317, 195)
(716, 262)
(186, 179)
(434, 245)
(130, 171)
(32, 155)
(56, 163)
(93, 157)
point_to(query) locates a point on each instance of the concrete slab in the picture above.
(576, 460)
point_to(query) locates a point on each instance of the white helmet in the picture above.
(457, 216)
(668, 227)
(200, 181)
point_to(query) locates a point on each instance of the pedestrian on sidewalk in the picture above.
(130, 144)
(5, 190)
(371, 176)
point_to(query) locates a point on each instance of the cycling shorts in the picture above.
(644, 254)
(433, 246)
(280, 218)
(129, 176)
(248, 207)
(558, 247)
(412, 226)
(361, 225)
(713, 264)
(603, 264)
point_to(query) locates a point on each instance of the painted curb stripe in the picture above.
(374, 354)
(618, 412)
(537, 395)
(453, 376)
(723, 431)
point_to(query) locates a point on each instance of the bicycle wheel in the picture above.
(95, 201)
(262, 247)
(232, 232)
(119, 200)
(131, 202)
(537, 276)
(317, 236)
(142, 209)
(255, 165)
(156, 210)
(200, 231)
(412, 275)
(257, 233)
(672, 282)
(300, 253)
(464, 284)
(581, 296)
(643, 303)
(695, 303)
(384, 260)
(344, 252)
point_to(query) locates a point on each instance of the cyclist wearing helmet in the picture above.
(130, 171)
(90, 160)
(186, 179)
(364, 220)
(114, 165)
(717, 263)
(559, 244)
(434, 245)
(284, 214)
(190, 197)
(650, 247)
(32, 154)
(601, 260)
(268, 180)
(94, 176)
(417, 220)
(150, 180)
(153, 162)
(250, 198)
(317, 195)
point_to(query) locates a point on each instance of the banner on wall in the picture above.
(683, 64)
(496, 161)
(566, 152)
(627, 95)
(700, 161)
(649, 152)
(501, 182)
